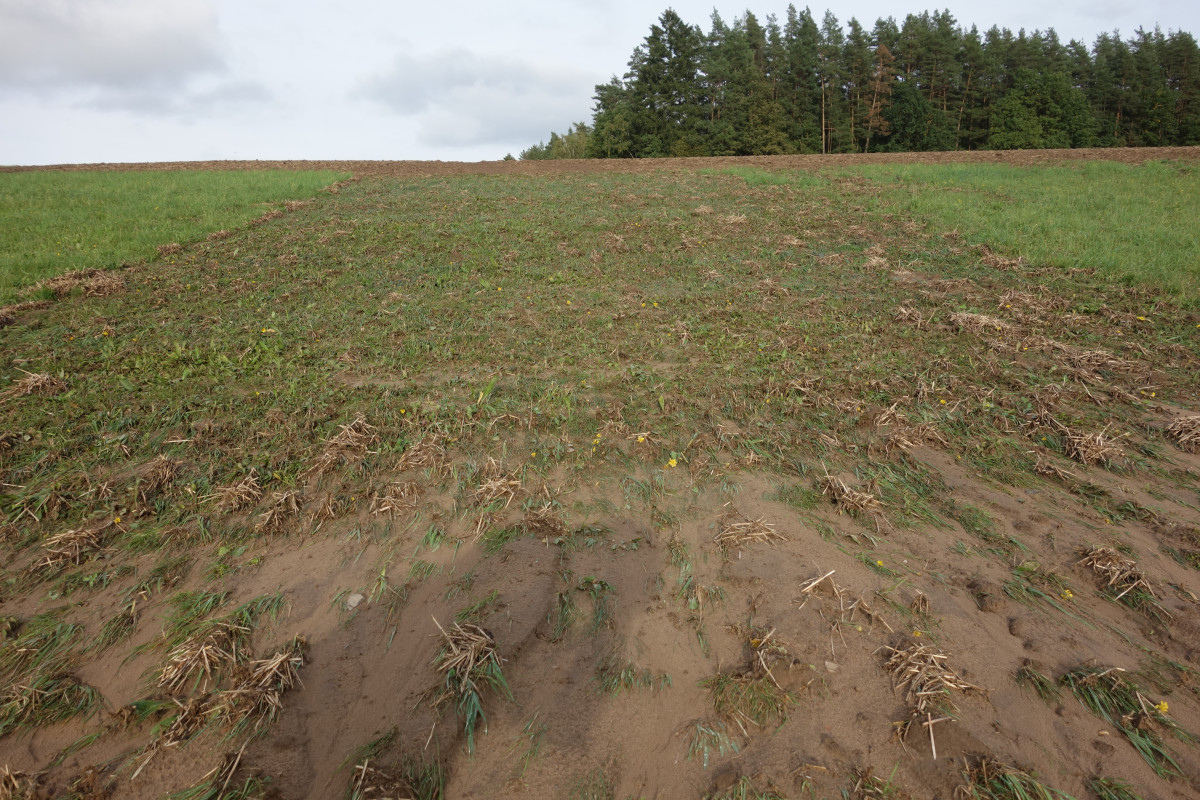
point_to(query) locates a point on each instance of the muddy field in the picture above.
(887, 555)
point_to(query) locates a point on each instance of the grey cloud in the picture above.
(182, 102)
(135, 48)
(465, 99)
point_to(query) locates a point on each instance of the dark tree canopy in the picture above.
(759, 87)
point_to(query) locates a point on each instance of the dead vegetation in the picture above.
(427, 454)
(34, 383)
(352, 443)
(284, 507)
(469, 663)
(735, 531)
(922, 672)
(849, 500)
(73, 546)
(397, 499)
(978, 323)
(1091, 448)
(196, 664)
(497, 487)
(1185, 432)
(1124, 580)
(159, 474)
(239, 496)
(544, 521)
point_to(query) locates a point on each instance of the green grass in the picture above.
(1114, 697)
(55, 222)
(1109, 789)
(1134, 223)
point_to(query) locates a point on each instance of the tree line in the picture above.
(766, 88)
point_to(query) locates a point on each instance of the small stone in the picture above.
(353, 601)
(832, 666)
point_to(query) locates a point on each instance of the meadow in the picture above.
(719, 479)
(55, 222)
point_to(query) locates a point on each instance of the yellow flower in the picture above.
(879, 563)
(1067, 594)
(943, 402)
(917, 634)
(568, 302)
(643, 305)
(641, 439)
(533, 454)
(656, 305)
(1141, 319)
(672, 463)
(117, 520)
(1161, 707)
(402, 411)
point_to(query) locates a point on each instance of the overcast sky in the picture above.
(171, 80)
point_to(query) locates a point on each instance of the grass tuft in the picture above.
(1120, 702)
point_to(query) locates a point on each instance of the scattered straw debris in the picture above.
(906, 437)
(195, 664)
(258, 698)
(469, 663)
(351, 443)
(922, 671)
(35, 384)
(849, 500)
(497, 485)
(426, 454)
(544, 521)
(735, 531)
(94, 282)
(1122, 576)
(160, 473)
(911, 315)
(239, 496)
(15, 784)
(73, 546)
(1092, 360)
(397, 499)
(1091, 448)
(1185, 432)
(978, 323)
(171, 249)
(284, 506)
(1002, 263)
(1051, 470)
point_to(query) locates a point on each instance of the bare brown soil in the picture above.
(419, 168)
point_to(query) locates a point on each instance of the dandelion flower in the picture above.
(917, 634)
(116, 521)
(879, 563)
(672, 463)
(1161, 707)
(641, 439)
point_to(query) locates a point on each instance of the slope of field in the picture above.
(52, 222)
(667, 483)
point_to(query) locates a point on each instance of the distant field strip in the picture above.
(1135, 223)
(55, 222)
